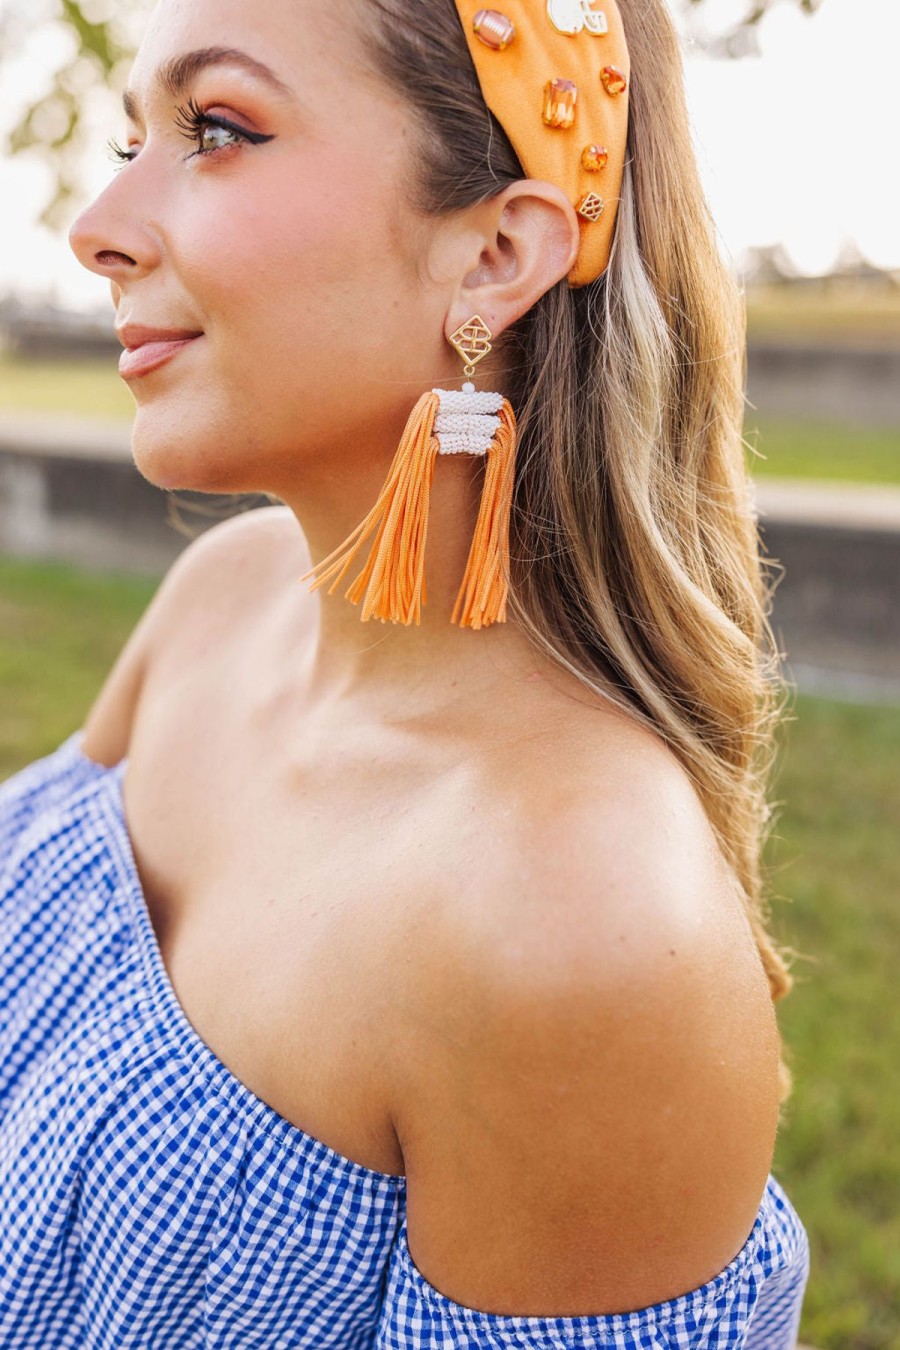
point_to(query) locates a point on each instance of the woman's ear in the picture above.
(527, 238)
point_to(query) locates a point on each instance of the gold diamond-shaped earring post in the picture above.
(473, 342)
(591, 206)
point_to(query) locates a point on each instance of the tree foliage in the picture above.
(100, 46)
(740, 39)
(102, 33)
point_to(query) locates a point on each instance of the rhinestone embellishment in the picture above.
(473, 341)
(614, 81)
(591, 206)
(493, 28)
(559, 103)
(577, 16)
(594, 158)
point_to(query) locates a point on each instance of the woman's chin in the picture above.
(173, 455)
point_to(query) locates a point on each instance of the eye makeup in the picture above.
(205, 130)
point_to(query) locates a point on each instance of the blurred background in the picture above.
(795, 114)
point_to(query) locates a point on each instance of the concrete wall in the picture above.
(84, 505)
(825, 383)
(837, 605)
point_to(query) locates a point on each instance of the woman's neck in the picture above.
(348, 657)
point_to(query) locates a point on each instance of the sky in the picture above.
(796, 146)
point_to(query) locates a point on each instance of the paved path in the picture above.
(868, 506)
(78, 437)
(861, 505)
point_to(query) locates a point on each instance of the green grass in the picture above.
(834, 854)
(824, 450)
(81, 388)
(833, 858)
(60, 630)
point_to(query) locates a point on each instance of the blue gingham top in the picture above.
(150, 1201)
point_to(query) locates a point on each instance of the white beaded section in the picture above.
(468, 400)
(466, 422)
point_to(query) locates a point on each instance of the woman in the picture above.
(412, 987)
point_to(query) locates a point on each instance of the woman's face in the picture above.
(265, 208)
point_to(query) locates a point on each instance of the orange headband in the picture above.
(555, 74)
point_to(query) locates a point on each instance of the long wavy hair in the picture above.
(636, 557)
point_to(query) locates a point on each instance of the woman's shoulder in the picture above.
(607, 1064)
(213, 581)
(577, 801)
(228, 563)
(596, 840)
(585, 778)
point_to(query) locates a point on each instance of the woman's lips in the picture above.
(151, 355)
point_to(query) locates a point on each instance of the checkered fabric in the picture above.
(150, 1201)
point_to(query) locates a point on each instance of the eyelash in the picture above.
(192, 121)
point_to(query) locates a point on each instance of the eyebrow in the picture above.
(176, 75)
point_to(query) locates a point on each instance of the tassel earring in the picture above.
(391, 585)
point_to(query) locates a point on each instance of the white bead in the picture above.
(457, 400)
(459, 424)
(466, 421)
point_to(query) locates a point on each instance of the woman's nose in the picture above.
(110, 239)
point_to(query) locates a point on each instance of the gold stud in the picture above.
(614, 81)
(473, 342)
(559, 103)
(594, 158)
(591, 206)
(493, 28)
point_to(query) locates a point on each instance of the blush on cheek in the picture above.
(304, 292)
(310, 304)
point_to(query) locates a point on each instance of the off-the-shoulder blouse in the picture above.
(150, 1201)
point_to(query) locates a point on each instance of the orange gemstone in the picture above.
(494, 29)
(594, 158)
(559, 103)
(591, 206)
(614, 81)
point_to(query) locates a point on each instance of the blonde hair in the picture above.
(636, 561)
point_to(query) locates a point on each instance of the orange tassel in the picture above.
(393, 579)
(485, 586)
(392, 582)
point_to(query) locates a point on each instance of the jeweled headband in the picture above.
(555, 74)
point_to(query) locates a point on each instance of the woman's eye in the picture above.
(209, 133)
(214, 137)
(206, 132)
